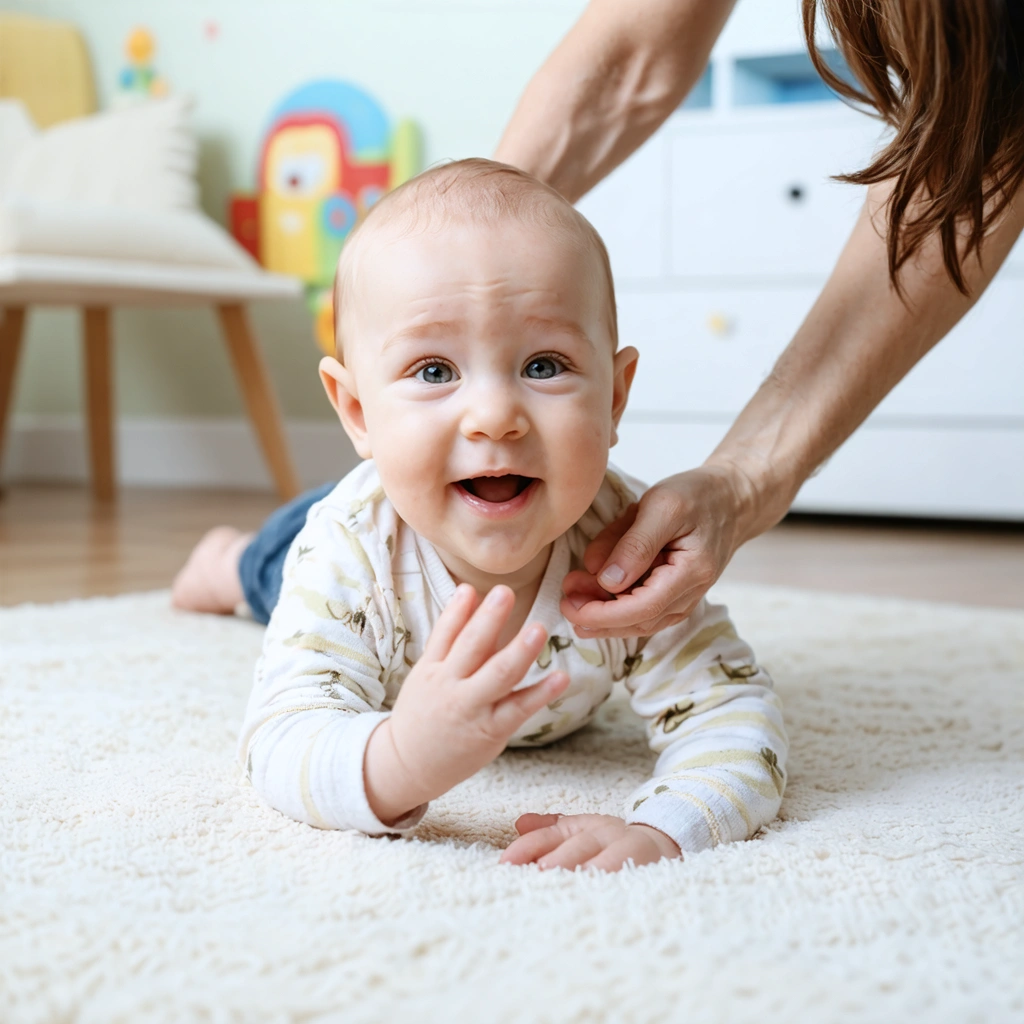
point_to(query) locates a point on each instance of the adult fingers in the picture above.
(657, 522)
(580, 587)
(478, 638)
(604, 543)
(671, 589)
(517, 707)
(640, 629)
(527, 848)
(450, 623)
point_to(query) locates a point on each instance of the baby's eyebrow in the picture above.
(559, 325)
(423, 332)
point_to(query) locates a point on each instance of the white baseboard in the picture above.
(215, 453)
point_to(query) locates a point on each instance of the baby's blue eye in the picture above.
(543, 368)
(436, 373)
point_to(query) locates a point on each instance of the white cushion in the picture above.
(139, 157)
(181, 237)
(16, 130)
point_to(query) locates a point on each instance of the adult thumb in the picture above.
(655, 525)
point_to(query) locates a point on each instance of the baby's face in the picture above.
(480, 375)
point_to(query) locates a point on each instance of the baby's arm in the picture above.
(716, 724)
(318, 743)
(319, 686)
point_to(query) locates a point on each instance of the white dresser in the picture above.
(722, 231)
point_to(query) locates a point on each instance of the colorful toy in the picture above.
(329, 153)
(139, 78)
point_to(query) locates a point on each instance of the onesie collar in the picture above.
(545, 607)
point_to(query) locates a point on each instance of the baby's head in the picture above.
(477, 361)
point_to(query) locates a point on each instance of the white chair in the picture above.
(101, 211)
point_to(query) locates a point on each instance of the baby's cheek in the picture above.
(409, 453)
(581, 458)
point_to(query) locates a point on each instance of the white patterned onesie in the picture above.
(360, 596)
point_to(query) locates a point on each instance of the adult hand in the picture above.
(586, 840)
(676, 542)
(458, 706)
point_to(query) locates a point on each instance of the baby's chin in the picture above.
(492, 560)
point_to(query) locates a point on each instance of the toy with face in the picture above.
(326, 160)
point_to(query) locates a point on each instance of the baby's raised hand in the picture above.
(589, 840)
(456, 709)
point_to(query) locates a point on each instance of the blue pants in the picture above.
(262, 564)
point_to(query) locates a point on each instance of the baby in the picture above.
(478, 375)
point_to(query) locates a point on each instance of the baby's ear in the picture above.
(624, 370)
(340, 386)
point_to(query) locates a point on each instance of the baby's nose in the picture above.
(494, 413)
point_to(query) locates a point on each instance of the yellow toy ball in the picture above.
(139, 46)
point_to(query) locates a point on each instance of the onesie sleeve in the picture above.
(716, 724)
(320, 683)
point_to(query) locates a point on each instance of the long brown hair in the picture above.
(947, 76)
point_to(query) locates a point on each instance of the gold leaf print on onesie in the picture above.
(671, 718)
(536, 737)
(771, 759)
(734, 673)
(356, 508)
(552, 645)
(632, 664)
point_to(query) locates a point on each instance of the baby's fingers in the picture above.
(510, 712)
(531, 822)
(479, 636)
(506, 669)
(450, 623)
(533, 844)
(615, 856)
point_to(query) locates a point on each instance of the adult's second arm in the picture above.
(858, 341)
(612, 81)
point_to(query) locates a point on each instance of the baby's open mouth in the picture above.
(496, 489)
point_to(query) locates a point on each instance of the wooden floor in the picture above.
(56, 544)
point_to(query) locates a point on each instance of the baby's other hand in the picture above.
(599, 841)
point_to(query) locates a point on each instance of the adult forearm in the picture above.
(618, 74)
(858, 341)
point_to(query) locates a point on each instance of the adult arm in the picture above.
(858, 341)
(612, 81)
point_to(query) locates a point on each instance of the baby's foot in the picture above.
(209, 581)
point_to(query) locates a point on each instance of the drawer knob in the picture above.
(720, 325)
(796, 193)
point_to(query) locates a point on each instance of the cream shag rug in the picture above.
(141, 879)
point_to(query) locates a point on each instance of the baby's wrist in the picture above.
(392, 790)
(666, 844)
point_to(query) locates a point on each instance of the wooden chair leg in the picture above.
(260, 400)
(99, 388)
(12, 328)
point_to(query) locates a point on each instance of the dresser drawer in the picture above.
(707, 351)
(630, 211)
(755, 199)
(977, 370)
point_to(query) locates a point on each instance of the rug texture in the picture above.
(142, 880)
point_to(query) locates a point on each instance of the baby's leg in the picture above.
(228, 568)
(209, 580)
